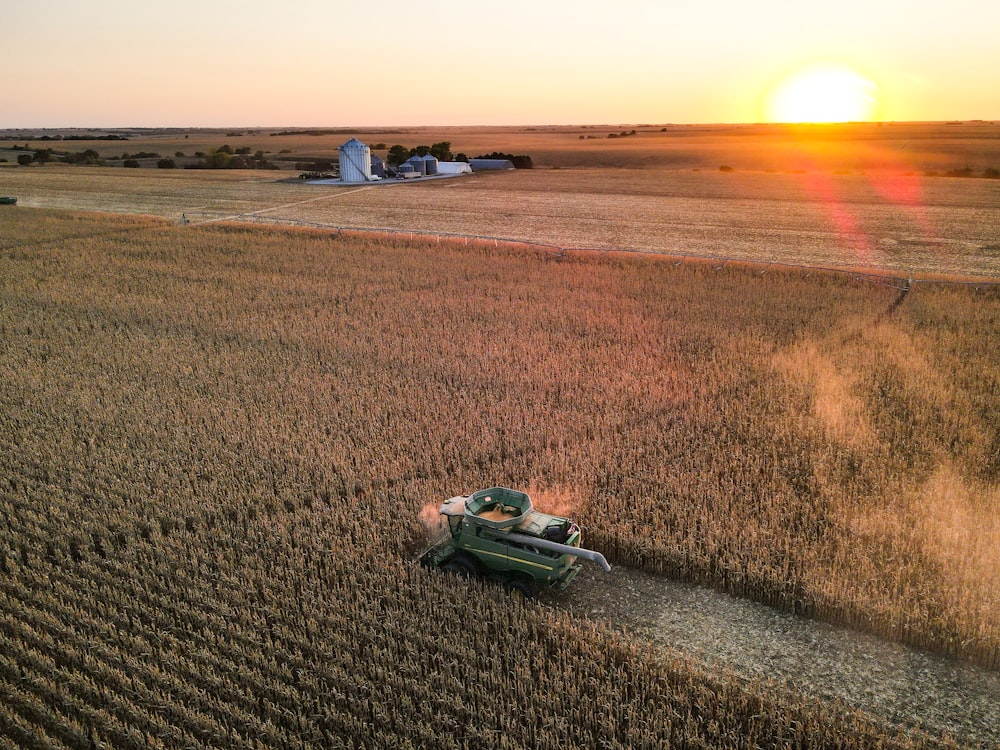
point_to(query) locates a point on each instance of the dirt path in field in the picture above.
(248, 214)
(893, 684)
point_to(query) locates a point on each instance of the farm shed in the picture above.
(480, 164)
(453, 167)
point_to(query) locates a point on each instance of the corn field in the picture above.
(216, 443)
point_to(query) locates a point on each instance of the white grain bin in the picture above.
(355, 162)
(419, 165)
(430, 164)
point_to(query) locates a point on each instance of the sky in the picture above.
(220, 63)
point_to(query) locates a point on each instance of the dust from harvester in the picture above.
(960, 530)
(430, 518)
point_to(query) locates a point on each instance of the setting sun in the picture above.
(823, 93)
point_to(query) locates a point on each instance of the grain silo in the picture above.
(430, 164)
(419, 165)
(355, 162)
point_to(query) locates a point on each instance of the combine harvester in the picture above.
(495, 533)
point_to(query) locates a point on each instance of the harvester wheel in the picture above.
(460, 567)
(520, 588)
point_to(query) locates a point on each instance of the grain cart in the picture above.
(495, 533)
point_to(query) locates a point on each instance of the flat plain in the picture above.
(219, 442)
(856, 197)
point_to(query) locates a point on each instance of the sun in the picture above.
(823, 93)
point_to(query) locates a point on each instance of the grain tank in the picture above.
(355, 161)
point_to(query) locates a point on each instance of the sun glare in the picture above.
(823, 93)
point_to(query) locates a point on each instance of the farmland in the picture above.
(851, 196)
(218, 441)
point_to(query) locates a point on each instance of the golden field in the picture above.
(848, 196)
(217, 441)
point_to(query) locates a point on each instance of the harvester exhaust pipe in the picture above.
(586, 554)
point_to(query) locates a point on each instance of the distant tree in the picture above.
(219, 159)
(89, 157)
(25, 159)
(461, 157)
(379, 147)
(43, 155)
(166, 164)
(131, 164)
(397, 155)
(225, 149)
(243, 150)
(178, 153)
(520, 162)
(318, 165)
(442, 151)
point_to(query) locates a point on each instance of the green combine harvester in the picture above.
(495, 533)
(7, 200)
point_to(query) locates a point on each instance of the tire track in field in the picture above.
(892, 684)
(246, 214)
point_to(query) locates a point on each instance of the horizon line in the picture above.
(388, 129)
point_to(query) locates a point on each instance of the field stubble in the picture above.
(900, 685)
(902, 222)
(254, 419)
